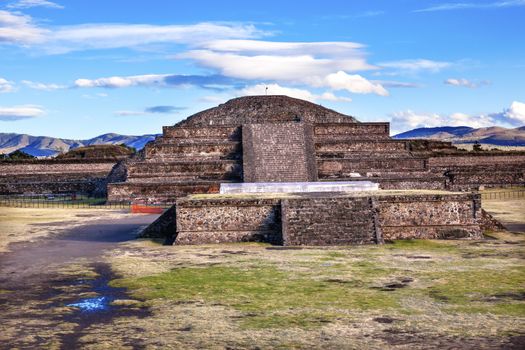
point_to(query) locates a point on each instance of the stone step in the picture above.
(185, 166)
(361, 144)
(376, 130)
(356, 156)
(194, 141)
(225, 149)
(40, 187)
(210, 132)
(342, 166)
(160, 191)
(45, 177)
(141, 178)
(401, 183)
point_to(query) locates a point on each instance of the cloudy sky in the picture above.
(76, 68)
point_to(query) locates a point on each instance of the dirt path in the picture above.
(31, 260)
(40, 280)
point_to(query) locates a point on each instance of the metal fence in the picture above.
(60, 201)
(510, 194)
(79, 201)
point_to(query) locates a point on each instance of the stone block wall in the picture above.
(330, 219)
(476, 159)
(333, 131)
(278, 153)
(232, 133)
(489, 169)
(361, 146)
(53, 176)
(430, 216)
(216, 221)
(343, 167)
(159, 192)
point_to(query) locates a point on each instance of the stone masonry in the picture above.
(54, 176)
(278, 138)
(278, 153)
(329, 219)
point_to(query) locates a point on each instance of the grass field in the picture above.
(404, 295)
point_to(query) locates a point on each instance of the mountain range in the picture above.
(494, 135)
(45, 146)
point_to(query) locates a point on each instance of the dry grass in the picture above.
(486, 146)
(407, 295)
(241, 294)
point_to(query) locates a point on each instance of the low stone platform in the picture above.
(297, 187)
(369, 217)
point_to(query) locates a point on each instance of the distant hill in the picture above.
(494, 135)
(45, 146)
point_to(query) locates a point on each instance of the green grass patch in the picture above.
(303, 320)
(277, 297)
(334, 255)
(422, 245)
(485, 290)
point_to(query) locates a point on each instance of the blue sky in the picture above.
(78, 69)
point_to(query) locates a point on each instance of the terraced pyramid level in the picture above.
(282, 139)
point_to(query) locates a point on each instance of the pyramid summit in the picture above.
(265, 109)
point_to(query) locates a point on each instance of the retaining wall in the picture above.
(53, 176)
(330, 219)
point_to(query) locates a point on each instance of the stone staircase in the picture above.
(366, 149)
(182, 161)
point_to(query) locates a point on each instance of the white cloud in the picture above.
(251, 47)
(42, 86)
(120, 82)
(511, 117)
(108, 36)
(16, 28)
(353, 83)
(329, 96)
(20, 112)
(322, 64)
(20, 29)
(273, 67)
(6, 86)
(25, 4)
(516, 112)
(465, 83)
(473, 5)
(284, 61)
(409, 119)
(416, 65)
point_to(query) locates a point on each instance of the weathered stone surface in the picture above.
(277, 138)
(54, 176)
(327, 221)
(265, 109)
(278, 153)
(330, 219)
(217, 220)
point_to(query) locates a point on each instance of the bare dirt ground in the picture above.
(30, 224)
(404, 295)
(53, 258)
